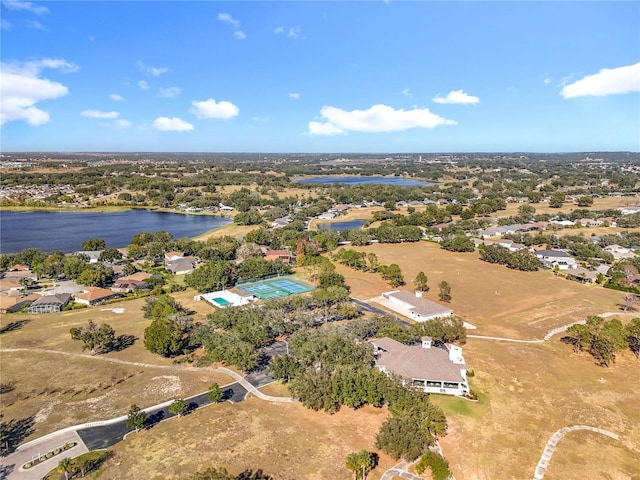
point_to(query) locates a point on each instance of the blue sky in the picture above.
(320, 76)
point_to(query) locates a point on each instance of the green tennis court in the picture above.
(276, 288)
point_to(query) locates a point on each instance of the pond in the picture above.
(347, 225)
(65, 231)
(359, 180)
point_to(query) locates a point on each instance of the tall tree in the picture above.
(96, 338)
(93, 244)
(178, 407)
(445, 291)
(136, 418)
(66, 465)
(421, 282)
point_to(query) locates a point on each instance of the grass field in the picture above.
(527, 391)
(499, 301)
(287, 441)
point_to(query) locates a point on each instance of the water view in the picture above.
(348, 225)
(65, 231)
(359, 180)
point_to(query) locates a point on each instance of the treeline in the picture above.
(326, 369)
(368, 262)
(523, 259)
(603, 338)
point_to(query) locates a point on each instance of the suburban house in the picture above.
(582, 275)
(182, 265)
(94, 295)
(419, 309)
(172, 256)
(225, 208)
(619, 252)
(13, 303)
(50, 303)
(129, 285)
(17, 272)
(92, 255)
(432, 369)
(551, 258)
(271, 255)
(10, 285)
(280, 222)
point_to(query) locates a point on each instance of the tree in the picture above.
(631, 302)
(632, 332)
(136, 418)
(95, 276)
(557, 199)
(420, 282)
(66, 465)
(361, 463)
(165, 337)
(403, 436)
(93, 244)
(458, 243)
(445, 291)
(585, 201)
(97, 338)
(284, 367)
(110, 255)
(393, 275)
(215, 393)
(178, 407)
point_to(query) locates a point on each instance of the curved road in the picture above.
(541, 468)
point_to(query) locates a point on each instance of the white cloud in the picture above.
(407, 93)
(239, 34)
(457, 97)
(143, 85)
(294, 95)
(608, 81)
(170, 92)
(116, 98)
(174, 124)
(122, 123)
(291, 32)
(36, 25)
(99, 114)
(155, 71)
(22, 88)
(225, 17)
(318, 128)
(378, 118)
(5, 24)
(294, 32)
(547, 81)
(28, 6)
(211, 109)
(260, 119)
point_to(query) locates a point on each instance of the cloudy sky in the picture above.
(320, 76)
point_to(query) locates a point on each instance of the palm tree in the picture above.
(66, 465)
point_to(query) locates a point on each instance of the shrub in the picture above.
(438, 465)
(27, 465)
(471, 373)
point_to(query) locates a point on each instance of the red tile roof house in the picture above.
(432, 369)
(94, 295)
(420, 309)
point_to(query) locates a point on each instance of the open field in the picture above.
(499, 301)
(61, 390)
(602, 203)
(527, 393)
(287, 441)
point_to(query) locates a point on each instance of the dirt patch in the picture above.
(287, 441)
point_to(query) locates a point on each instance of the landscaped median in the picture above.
(49, 454)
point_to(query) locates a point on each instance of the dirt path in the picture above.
(541, 468)
(239, 378)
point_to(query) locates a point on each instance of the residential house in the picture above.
(94, 295)
(10, 285)
(225, 208)
(629, 210)
(280, 222)
(50, 303)
(182, 266)
(129, 285)
(432, 369)
(92, 255)
(582, 275)
(551, 258)
(284, 255)
(12, 303)
(420, 309)
(172, 256)
(619, 252)
(589, 222)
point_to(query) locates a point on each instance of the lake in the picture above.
(359, 180)
(65, 231)
(348, 225)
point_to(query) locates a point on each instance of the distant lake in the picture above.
(358, 180)
(348, 225)
(65, 231)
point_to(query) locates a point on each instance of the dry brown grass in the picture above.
(66, 390)
(498, 300)
(287, 441)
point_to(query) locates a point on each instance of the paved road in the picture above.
(367, 307)
(399, 470)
